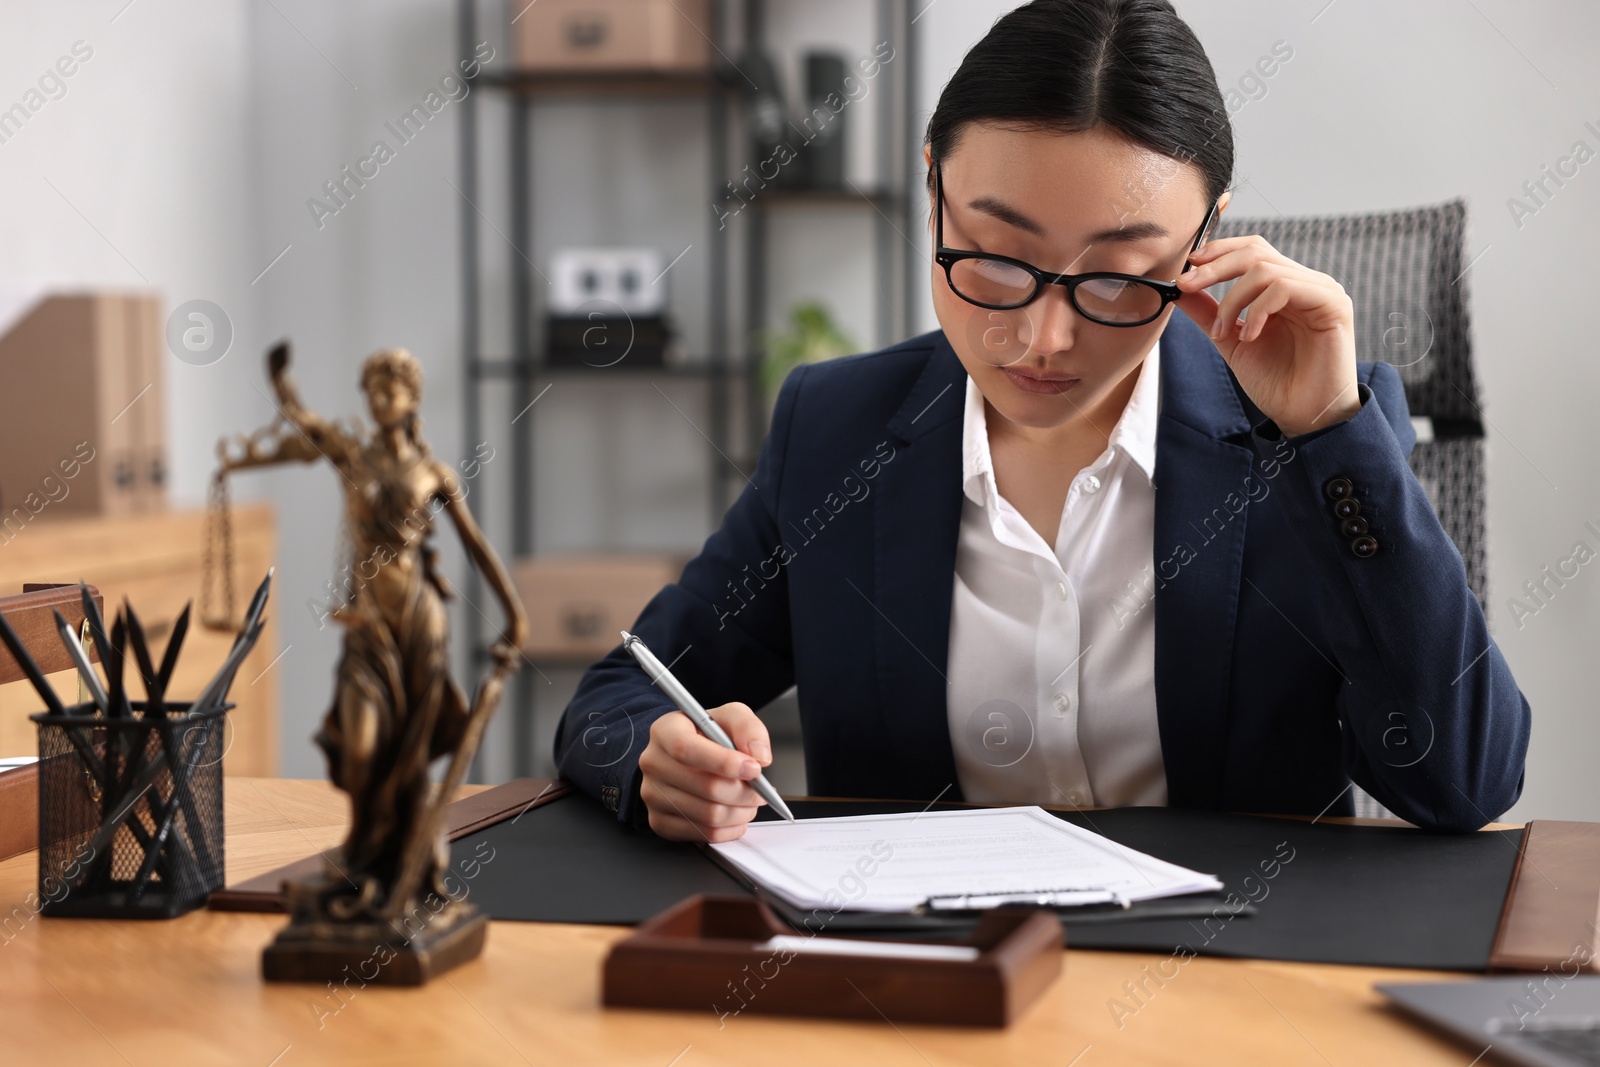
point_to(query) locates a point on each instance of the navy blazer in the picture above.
(1292, 657)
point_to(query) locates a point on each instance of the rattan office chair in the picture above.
(1405, 273)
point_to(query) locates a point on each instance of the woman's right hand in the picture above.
(696, 790)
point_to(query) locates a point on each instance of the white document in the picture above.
(972, 858)
(896, 950)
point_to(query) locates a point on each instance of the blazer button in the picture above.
(1354, 526)
(1364, 546)
(1338, 488)
(1347, 507)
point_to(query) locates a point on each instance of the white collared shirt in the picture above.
(1051, 669)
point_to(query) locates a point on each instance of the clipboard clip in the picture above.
(1064, 897)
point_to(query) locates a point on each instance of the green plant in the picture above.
(811, 338)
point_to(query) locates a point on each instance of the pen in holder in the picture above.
(130, 791)
(130, 810)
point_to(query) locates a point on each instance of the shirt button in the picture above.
(1061, 590)
(1091, 484)
(1063, 702)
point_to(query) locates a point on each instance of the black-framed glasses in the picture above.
(1003, 283)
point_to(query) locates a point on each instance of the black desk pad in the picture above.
(1320, 892)
(1372, 895)
(570, 861)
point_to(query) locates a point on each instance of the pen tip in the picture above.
(626, 636)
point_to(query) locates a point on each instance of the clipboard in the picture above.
(709, 951)
(953, 922)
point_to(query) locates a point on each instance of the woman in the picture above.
(1095, 541)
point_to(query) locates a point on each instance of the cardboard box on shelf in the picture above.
(637, 35)
(81, 420)
(577, 603)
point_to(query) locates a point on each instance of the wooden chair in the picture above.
(31, 615)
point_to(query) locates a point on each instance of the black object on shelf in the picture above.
(775, 162)
(603, 341)
(824, 122)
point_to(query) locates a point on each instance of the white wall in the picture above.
(138, 177)
(193, 138)
(381, 272)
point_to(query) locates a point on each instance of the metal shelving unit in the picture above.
(728, 366)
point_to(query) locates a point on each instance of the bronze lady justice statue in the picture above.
(395, 708)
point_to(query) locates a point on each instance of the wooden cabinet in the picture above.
(155, 561)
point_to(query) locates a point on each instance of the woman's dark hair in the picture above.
(1070, 65)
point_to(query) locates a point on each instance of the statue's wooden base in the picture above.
(408, 952)
(362, 955)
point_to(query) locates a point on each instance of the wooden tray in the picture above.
(706, 954)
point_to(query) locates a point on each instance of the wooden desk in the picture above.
(87, 992)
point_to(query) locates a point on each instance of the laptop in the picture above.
(1531, 1020)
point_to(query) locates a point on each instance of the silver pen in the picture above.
(80, 660)
(691, 707)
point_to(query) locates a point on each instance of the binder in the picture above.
(82, 427)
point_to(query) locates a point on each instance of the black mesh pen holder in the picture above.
(130, 810)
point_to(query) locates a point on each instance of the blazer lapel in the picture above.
(1202, 458)
(917, 520)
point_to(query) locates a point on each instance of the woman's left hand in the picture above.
(1295, 355)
